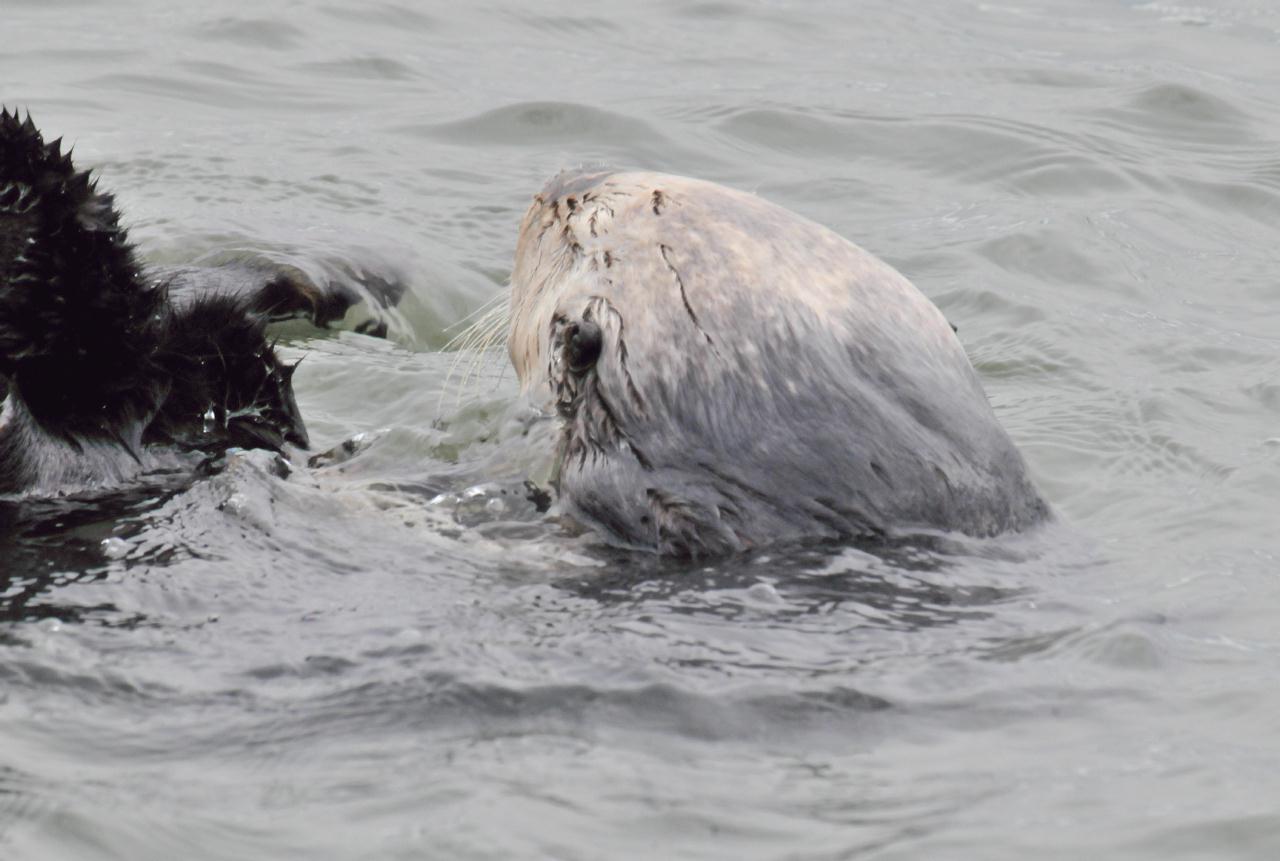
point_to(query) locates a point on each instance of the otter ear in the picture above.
(582, 344)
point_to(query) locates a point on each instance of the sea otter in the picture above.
(112, 370)
(729, 374)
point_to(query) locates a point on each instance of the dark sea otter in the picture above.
(729, 374)
(111, 370)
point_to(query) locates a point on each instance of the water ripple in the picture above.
(251, 32)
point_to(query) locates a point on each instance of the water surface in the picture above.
(395, 656)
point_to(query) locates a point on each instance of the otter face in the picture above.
(560, 243)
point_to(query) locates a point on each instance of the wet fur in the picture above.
(761, 378)
(111, 370)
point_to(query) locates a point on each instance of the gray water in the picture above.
(394, 656)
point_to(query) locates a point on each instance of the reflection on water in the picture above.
(49, 544)
(395, 650)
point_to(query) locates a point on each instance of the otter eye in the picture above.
(582, 343)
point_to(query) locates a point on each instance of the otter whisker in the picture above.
(485, 308)
(474, 345)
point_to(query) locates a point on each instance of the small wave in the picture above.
(251, 32)
(544, 122)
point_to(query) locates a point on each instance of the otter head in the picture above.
(554, 272)
(728, 373)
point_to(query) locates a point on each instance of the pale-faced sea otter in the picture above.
(729, 374)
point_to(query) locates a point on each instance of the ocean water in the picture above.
(392, 656)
